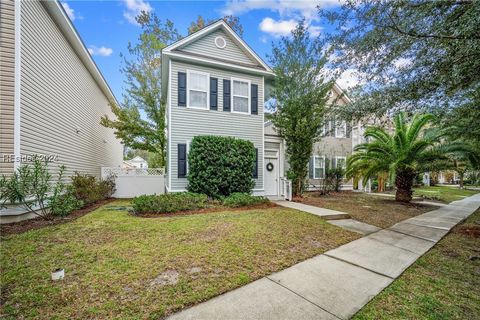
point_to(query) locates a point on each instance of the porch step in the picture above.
(327, 214)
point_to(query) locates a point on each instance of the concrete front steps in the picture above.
(327, 214)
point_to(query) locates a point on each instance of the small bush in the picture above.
(65, 203)
(89, 189)
(219, 166)
(239, 199)
(168, 203)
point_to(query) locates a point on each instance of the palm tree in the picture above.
(402, 154)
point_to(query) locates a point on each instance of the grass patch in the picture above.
(443, 193)
(443, 284)
(122, 266)
(378, 211)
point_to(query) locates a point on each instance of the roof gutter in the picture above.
(60, 17)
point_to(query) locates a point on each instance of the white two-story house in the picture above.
(214, 85)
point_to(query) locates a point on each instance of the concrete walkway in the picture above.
(327, 214)
(337, 284)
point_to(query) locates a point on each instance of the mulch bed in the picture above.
(204, 210)
(469, 230)
(37, 223)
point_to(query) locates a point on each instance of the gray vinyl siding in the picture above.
(7, 82)
(58, 97)
(187, 123)
(206, 46)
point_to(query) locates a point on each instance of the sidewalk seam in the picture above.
(359, 266)
(316, 305)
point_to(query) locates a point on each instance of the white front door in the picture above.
(271, 176)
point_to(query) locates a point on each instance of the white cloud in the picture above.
(277, 28)
(133, 9)
(349, 79)
(70, 12)
(286, 8)
(100, 51)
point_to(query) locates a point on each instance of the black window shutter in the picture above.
(310, 168)
(213, 93)
(182, 89)
(182, 160)
(226, 95)
(349, 129)
(254, 97)
(255, 165)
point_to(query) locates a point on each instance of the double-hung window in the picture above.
(197, 94)
(341, 162)
(318, 167)
(240, 96)
(340, 129)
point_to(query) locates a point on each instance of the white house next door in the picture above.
(271, 176)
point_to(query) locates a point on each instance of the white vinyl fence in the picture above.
(135, 182)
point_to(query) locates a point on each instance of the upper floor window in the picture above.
(340, 129)
(240, 96)
(197, 94)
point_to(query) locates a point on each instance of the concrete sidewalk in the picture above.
(337, 284)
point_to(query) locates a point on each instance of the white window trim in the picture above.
(314, 167)
(232, 95)
(207, 107)
(344, 133)
(340, 158)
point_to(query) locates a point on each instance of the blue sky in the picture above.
(106, 27)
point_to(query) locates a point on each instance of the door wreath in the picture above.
(269, 166)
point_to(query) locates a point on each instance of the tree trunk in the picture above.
(461, 174)
(404, 182)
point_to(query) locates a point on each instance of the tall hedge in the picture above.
(220, 166)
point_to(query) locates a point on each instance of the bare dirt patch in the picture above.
(37, 223)
(380, 212)
(167, 278)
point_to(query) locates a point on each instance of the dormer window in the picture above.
(220, 42)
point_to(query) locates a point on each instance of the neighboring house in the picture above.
(214, 85)
(52, 93)
(331, 151)
(137, 162)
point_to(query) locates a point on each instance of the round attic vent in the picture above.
(220, 42)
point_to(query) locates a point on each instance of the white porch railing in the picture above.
(136, 181)
(286, 188)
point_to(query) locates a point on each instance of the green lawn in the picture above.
(122, 266)
(443, 193)
(443, 284)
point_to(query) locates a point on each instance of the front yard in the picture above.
(121, 266)
(378, 211)
(443, 284)
(443, 193)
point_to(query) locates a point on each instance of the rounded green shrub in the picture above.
(239, 199)
(220, 166)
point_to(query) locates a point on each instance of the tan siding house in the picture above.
(60, 95)
(334, 147)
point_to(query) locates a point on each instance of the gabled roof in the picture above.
(220, 24)
(174, 51)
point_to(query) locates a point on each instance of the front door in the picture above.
(271, 176)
